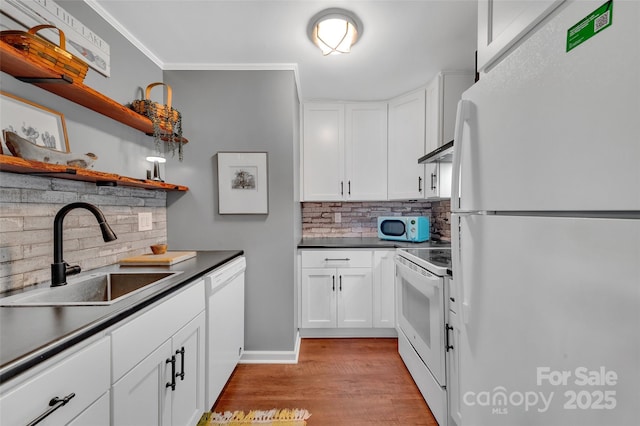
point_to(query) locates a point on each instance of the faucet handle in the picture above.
(72, 270)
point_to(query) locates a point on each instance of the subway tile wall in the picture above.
(28, 205)
(359, 219)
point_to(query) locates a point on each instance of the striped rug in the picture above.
(274, 417)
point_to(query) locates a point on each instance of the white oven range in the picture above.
(422, 299)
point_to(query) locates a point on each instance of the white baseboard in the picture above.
(347, 332)
(272, 357)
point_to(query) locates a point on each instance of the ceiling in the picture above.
(403, 45)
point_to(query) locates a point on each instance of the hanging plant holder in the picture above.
(167, 121)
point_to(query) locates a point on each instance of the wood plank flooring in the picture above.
(340, 381)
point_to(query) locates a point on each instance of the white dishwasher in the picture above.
(225, 325)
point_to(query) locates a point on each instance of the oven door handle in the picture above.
(428, 283)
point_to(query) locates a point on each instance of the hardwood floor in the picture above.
(340, 381)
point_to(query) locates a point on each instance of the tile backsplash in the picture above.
(28, 205)
(359, 219)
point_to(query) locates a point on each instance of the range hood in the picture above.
(442, 154)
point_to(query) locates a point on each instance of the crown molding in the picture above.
(125, 33)
(193, 66)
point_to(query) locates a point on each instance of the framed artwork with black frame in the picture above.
(243, 185)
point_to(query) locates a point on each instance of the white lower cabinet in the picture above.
(163, 385)
(81, 376)
(96, 415)
(384, 300)
(340, 297)
(346, 289)
(141, 396)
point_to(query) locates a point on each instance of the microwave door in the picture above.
(393, 228)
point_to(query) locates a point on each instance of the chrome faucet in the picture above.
(59, 268)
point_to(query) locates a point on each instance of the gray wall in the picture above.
(242, 111)
(120, 149)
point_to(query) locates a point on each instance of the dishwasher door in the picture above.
(225, 325)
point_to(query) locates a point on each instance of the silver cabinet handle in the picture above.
(433, 180)
(419, 183)
(341, 188)
(55, 403)
(346, 259)
(349, 186)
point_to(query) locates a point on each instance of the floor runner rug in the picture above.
(274, 417)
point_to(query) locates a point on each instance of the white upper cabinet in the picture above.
(366, 152)
(406, 145)
(502, 23)
(344, 152)
(323, 152)
(443, 94)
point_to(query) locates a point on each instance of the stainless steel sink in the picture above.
(92, 289)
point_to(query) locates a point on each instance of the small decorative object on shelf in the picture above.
(167, 121)
(24, 148)
(42, 51)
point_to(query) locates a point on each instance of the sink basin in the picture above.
(92, 289)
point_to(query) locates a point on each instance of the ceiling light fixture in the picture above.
(334, 30)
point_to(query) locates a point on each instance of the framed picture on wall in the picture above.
(243, 186)
(36, 123)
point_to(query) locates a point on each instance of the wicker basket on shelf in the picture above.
(167, 121)
(164, 112)
(36, 48)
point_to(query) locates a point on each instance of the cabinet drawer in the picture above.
(336, 258)
(83, 372)
(133, 341)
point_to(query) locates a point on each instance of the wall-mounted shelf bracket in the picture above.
(64, 79)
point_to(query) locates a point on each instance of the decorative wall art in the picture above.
(243, 186)
(36, 123)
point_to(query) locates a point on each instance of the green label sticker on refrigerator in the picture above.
(591, 25)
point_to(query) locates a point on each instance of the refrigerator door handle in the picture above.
(462, 116)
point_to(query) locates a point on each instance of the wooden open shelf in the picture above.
(20, 165)
(14, 63)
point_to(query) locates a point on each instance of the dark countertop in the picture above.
(366, 242)
(32, 334)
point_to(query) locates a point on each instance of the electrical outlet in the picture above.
(145, 221)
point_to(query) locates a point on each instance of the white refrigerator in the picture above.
(546, 230)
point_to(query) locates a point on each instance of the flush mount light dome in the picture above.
(334, 30)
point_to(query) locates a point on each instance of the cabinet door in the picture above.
(355, 297)
(433, 122)
(406, 145)
(366, 151)
(98, 413)
(83, 372)
(323, 152)
(318, 296)
(443, 94)
(142, 396)
(453, 371)
(384, 300)
(502, 23)
(187, 400)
